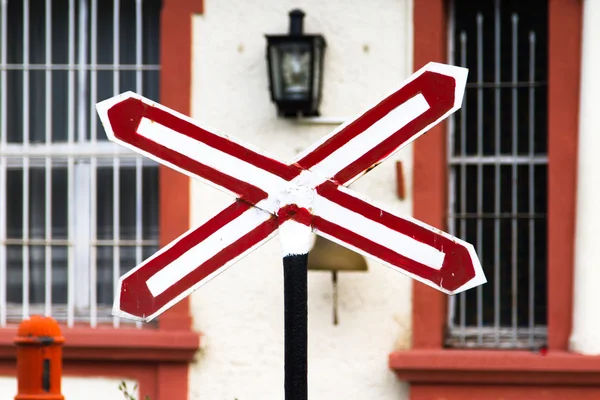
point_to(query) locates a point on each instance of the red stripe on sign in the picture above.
(220, 143)
(292, 211)
(457, 268)
(125, 117)
(136, 299)
(376, 250)
(437, 89)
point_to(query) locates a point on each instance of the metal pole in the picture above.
(295, 234)
(295, 322)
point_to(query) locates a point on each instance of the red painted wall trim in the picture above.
(428, 365)
(563, 113)
(504, 392)
(496, 367)
(171, 381)
(429, 173)
(175, 93)
(155, 359)
(124, 344)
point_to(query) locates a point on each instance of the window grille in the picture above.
(76, 211)
(498, 171)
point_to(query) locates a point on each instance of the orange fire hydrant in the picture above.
(39, 359)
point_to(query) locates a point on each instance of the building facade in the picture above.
(512, 172)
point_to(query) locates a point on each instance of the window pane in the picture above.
(104, 285)
(38, 242)
(498, 165)
(59, 274)
(37, 202)
(127, 203)
(128, 211)
(150, 89)
(60, 203)
(134, 233)
(104, 204)
(37, 275)
(25, 82)
(150, 204)
(48, 102)
(14, 203)
(60, 113)
(33, 75)
(14, 107)
(14, 274)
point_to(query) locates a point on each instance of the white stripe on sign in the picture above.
(372, 137)
(378, 233)
(206, 250)
(210, 156)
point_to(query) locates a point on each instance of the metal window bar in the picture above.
(479, 243)
(71, 169)
(48, 166)
(93, 165)
(497, 133)
(451, 139)
(25, 229)
(515, 138)
(463, 175)
(3, 184)
(116, 168)
(531, 192)
(495, 171)
(138, 160)
(80, 154)
(67, 67)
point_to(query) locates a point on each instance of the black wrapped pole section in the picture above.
(296, 326)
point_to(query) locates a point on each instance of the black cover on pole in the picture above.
(296, 337)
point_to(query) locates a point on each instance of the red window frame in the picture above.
(434, 371)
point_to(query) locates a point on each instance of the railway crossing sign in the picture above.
(295, 199)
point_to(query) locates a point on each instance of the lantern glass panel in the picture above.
(317, 68)
(294, 64)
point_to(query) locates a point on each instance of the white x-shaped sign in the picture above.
(293, 198)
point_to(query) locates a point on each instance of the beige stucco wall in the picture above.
(240, 313)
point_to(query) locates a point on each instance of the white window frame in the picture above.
(80, 155)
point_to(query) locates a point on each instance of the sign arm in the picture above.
(176, 141)
(423, 100)
(191, 260)
(426, 254)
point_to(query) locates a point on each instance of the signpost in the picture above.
(294, 199)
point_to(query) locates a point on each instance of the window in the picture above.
(76, 211)
(498, 171)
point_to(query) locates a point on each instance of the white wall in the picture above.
(240, 312)
(585, 335)
(74, 388)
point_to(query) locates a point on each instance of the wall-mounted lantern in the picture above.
(295, 64)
